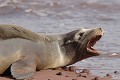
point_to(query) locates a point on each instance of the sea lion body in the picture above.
(25, 51)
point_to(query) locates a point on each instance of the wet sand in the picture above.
(70, 73)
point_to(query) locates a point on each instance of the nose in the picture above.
(100, 29)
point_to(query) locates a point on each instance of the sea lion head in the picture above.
(82, 40)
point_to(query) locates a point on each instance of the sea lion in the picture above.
(25, 51)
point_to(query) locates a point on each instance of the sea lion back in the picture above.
(8, 31)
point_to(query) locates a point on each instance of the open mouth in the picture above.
(91, 43)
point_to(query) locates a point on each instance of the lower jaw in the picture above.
(93, 52)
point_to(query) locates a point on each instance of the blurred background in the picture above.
(61, 16)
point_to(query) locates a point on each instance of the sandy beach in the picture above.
(70, 73)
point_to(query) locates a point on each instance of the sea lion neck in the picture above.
(68, 50)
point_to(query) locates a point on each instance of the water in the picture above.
(61, 16)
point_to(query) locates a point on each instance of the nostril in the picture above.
(100, 29)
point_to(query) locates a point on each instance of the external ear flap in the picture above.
(69, 41)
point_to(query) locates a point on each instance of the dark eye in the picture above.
(81, 34)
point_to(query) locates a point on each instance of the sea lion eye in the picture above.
(81, 34)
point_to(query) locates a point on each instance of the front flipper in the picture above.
(23, 69)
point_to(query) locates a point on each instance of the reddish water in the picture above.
(60, 16)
